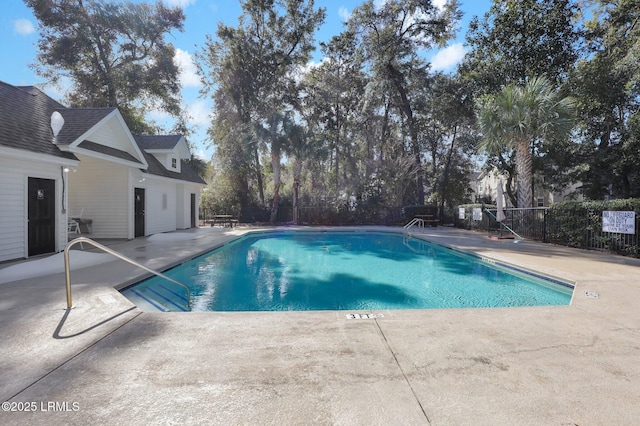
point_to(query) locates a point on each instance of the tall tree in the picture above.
(392, 33)
(512, 43)
(115, 54)
(447, 118)
(523, 117)
(274, 38)
(516, 40)
(331, 94)
(607, 84)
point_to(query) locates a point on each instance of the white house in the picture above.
(485, 186)
(94, 168)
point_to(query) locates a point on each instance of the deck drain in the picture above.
(364, 316)
(591, 294)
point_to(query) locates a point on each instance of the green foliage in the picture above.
(607, 83)
(391, 35)
(251, 74)
(612, 205)
(524, 118)
(516, 40)
(113, 52)
(576, 222)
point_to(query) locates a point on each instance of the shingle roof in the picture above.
(168, 142)
(157, 141)
(107, 150)
(25, 123)
(78, 121)
(25, 117)
(156, 168)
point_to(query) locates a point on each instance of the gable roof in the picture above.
(77, 122)
(186, 172)
(107, 150)
(25, 117)
(158, 142)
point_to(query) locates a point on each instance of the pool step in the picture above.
(158, 297)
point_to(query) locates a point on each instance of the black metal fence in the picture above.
(580, 228)
(322, 215)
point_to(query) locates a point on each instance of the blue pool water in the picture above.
(301, 271)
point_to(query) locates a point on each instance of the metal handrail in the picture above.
(415, 221)
(505, 225)
(79, 240)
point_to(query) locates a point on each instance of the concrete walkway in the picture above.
(105, 362)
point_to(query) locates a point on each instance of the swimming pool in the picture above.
(301, 271)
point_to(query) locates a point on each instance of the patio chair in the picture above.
(73, 227)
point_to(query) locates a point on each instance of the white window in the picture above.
(540, 201)
(174, 163)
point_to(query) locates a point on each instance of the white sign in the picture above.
(461, 213)
(620, 222)
(477, 213)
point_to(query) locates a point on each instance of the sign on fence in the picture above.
(460, 212)
(620, 222)
(477, 213)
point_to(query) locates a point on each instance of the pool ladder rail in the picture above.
(417, 222)
(80, 240)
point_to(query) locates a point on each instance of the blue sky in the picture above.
(19, 35)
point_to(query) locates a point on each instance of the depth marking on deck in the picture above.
(365, 316)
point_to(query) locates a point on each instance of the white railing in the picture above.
(416, 221)
(80, 240)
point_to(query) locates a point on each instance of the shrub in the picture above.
(408, 212)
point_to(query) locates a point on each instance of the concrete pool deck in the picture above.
(106, 362)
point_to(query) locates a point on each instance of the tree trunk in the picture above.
(297, 171)
(259, 175)
(523, 169)
(275, 163)
(445, 176)
(405, 106)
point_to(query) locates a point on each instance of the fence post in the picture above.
(586, 231)
(544, 226)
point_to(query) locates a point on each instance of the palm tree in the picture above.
(518, 117)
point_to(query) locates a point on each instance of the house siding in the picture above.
(181, 211)
(113, 136)
(158, 216)
(183, 206)
(101, 189)
(14, 176)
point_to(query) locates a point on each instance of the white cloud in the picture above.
(201, 155)
(180, 3)
(439, 4)
(199, 113)
(301, 71)
(156, 114)
(188, 75)
(379, 4)
(23, 27)
(448, 57)
(344, 13)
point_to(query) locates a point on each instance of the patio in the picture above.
(105, 362)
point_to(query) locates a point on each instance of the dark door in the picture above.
(193, 210)
(41, 216)
(138, 212)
